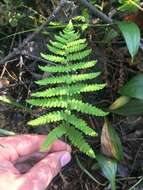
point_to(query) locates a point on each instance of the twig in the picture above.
(17, 51)
(135, 159)
(96, 12)
(135, 185)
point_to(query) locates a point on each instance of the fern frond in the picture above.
(78, 141)
(53, 58)
(69, 68)
(47, 118)
(68, 79)
(74, 89)
(69, 51)
(78, 55)
(55, 134)
(82, 107)
(81, 125)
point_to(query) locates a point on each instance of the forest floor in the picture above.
(17, 77)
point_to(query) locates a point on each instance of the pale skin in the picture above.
(17, 175)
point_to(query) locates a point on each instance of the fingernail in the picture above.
(65, 159)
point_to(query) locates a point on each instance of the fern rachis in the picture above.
(69, 53)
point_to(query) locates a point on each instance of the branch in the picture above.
(17, 50)
(96, 12)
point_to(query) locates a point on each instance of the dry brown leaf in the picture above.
(110, 142)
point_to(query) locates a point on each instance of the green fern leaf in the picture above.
(85, 108)
(78, 56)
(78, 141)
(49, 103)
(70, 37)
(55, 50)
(55, 134)
(77, 48)
(81, 125)
(62, 38)
(69, 27)
(47, 118)
(69, 68)
(75, 43)
(57, 44)
(74, 89)
(73, 103)
(68, 79)
(53, 58)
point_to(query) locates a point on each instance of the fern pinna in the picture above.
(69, 54)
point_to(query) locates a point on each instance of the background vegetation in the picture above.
(113, 30)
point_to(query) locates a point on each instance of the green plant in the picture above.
(131, 100)
(131, 34)
(109, 168)
(129, 5)
(10, 13)
(67, 50)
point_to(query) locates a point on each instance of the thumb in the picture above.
(44, 171)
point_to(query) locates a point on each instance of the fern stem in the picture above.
(68, 111)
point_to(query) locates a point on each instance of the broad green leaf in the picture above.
(110, 142)
(133, 88)
(133, 107)
(109, 169)
(12, 102)
(119, 102)
(131, 33)
(6, 132)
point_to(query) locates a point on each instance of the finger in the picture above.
(24, 164)
(34, 156)
(6, 166)
(23, 167)
(43, 172)
(23, 145)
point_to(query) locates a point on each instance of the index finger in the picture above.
(23, 145)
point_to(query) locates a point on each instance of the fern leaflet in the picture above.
(69, 68)
(47, 118)
(81, 125)
(54, 135)
(78, 141)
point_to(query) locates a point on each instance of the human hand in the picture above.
(14, 150)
